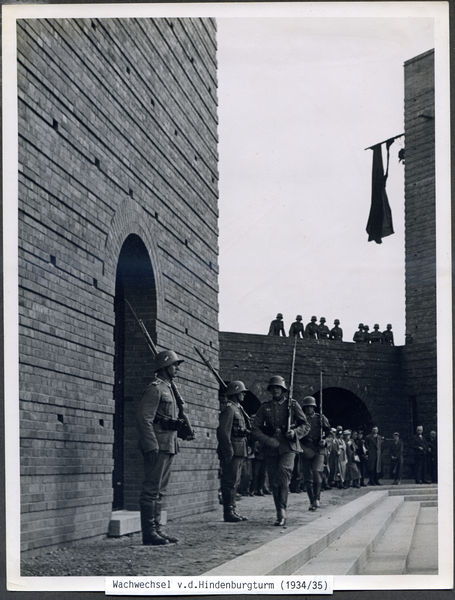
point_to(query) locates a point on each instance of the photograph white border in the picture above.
(437, 10)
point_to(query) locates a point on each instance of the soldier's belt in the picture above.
(241, 434)
(168, 424)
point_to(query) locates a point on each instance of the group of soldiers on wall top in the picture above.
(320, 331)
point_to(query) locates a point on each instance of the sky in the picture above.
(299, 101)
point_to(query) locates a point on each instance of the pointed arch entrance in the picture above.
(135, 282)
(343, 407)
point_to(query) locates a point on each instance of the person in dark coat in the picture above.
(277, 327)
(232, 433)
(433, 456)
(396, 459)
(279, 443)
(376, 335)
(419, 447)
(156, 422)
(362, 453)
(373, 444)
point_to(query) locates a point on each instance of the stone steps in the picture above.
(382, 532)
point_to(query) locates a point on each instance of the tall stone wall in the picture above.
(420, 239)
(117, 200)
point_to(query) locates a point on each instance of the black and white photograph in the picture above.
(227, 297)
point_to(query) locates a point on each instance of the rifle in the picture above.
(211, 368)
(291, 386)
(186, 432)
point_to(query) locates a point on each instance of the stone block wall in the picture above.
(420, 239)
(117, 138)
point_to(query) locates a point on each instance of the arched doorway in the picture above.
(135, 282)
(344, 408)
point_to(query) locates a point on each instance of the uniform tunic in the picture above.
(272, 418)
(158, 406)
(232, 444)
(312, 455)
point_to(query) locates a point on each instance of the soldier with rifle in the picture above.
(278, 426)
(160, 420)
(232, 434)
(157, 425)
(313, 451)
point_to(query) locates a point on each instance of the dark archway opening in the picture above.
(135, 281)
(344, 408)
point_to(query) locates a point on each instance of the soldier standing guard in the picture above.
(313, 451)
(277, 326)
(336, 333)
(387, 336)
(232, 433)
(296, 329)
(359, 335)
(376, 335)
(323, 330)
(278, 442)
(157, 425)
(311, 330)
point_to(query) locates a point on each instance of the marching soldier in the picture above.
(279, 443)
(277, 327)
(232, 433)
(296, 329)
(313, 451)
(157, 425)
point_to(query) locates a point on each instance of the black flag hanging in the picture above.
(380, 220)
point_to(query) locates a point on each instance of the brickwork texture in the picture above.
(117, 160)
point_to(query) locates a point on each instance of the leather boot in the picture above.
(159, 530)
(310, 493)
(281, 504)
(234, 506)
(317, 493)
(228, 508)
(149, 535)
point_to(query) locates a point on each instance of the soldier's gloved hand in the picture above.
(272, 442)
(152, 456)
(290, 434)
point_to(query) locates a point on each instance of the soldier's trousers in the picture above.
(156, 478)
(230, 473)
(312, 468)
(279, 469)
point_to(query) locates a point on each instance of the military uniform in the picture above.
(157, 428)
(376, 336)
(323, 330)
(336, 333)
(312, 329)
(277, 328)
(269, 428)
(296, 329)
(313, 457)
(232, 435)
(387, 336)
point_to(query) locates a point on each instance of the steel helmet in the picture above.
(235, 387)
(309, 401)
(314, 318)
(277, 380)
(298, 318)
(322, 319)
(279, 316)
(360, 325)
(336, 322)
(166, 358)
